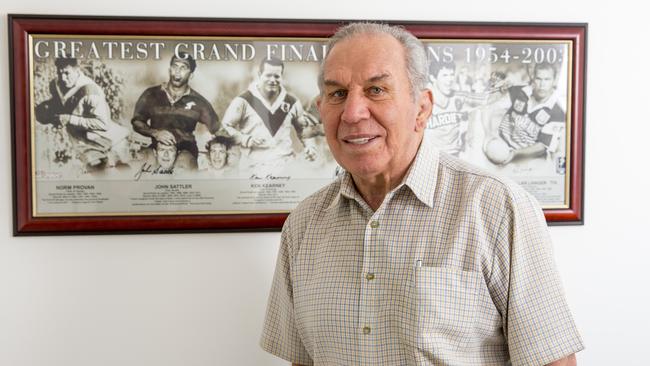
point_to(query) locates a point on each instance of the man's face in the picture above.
(179, 73)
(445, 80)
(270, 79)
(68, 76)
(372, 124)
(234, 155)
(543, 84)
(166, 156)
(218, 155)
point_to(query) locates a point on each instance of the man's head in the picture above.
(543, 81)
(181, 67)
(374, 101)
(67, 71)
(270, 76)
(218, 149)
(443, 75)
(234, 155)
(416, 59)
(165, 154)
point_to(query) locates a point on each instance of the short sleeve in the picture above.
(538, 325)
(232, 119)
(280, 335)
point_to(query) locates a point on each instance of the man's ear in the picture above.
(425, 106)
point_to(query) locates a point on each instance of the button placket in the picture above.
(368, 296)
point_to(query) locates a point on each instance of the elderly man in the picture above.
(412, 257)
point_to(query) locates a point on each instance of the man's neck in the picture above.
(439, 97)
(538, 101)
(177, 92)
(63, 88)
(269, 96)
(375, 189)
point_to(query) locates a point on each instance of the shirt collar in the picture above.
(165, 88)
(278, 100)
(548, 103)
(422, 175)
(420, 178)
(347, 190)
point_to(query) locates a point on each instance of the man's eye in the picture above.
(375, 90)
(338, 94)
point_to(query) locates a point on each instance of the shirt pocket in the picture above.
(447, 306)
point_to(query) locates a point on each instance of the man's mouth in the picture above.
(359, 140)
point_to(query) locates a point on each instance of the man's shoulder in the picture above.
(198, 97)
(312, 206)
(90, 87)
(520, 91)
(152, 91)
(473, 181)
(290, 98)
(245, 95)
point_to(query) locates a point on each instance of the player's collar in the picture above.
(548, 103)
(271, 107)
(165, 88)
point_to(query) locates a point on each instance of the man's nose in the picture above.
(355, 108)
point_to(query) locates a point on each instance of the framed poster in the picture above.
(134, 125)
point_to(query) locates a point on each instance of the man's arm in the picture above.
(140, 120)
(532, 151)
(210, 118)
(303, 121)
(231, 122)
(96, 113)
(162, 136)
(566, 361)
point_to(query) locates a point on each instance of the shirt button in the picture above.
(374, 224)
(366, 330)
(370, 276)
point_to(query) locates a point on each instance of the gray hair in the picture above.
(416, 58)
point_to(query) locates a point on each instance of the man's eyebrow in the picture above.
(380, 77)
(372, 79)
(329, 82)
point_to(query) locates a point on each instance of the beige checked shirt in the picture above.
(454, 268)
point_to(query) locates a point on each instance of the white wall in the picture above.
(199, 299)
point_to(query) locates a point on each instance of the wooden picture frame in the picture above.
(58, 190)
